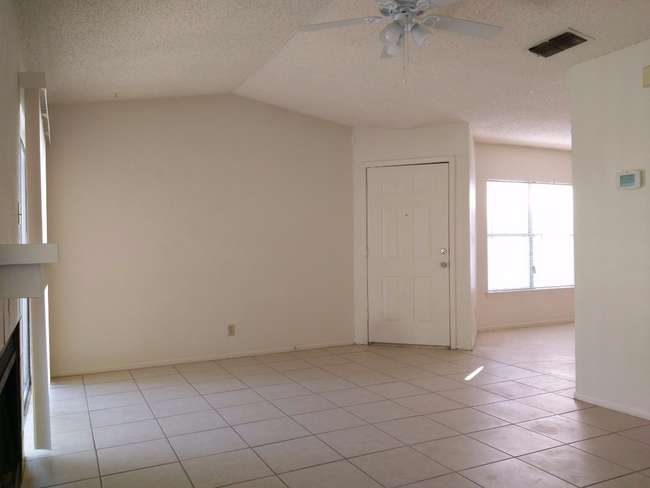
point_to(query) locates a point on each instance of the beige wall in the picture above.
(610, 113)
(453, 141)
(521, 308)
(11, 63)
(176, 217)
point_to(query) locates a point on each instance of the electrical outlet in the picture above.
(231, 330)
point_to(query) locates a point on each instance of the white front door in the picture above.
(408, 254)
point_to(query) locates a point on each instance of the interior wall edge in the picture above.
(644, 414)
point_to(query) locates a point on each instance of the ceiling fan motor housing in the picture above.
(414, 7)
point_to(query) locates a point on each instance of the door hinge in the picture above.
(366, 186)
(368, 315)
(366, 251)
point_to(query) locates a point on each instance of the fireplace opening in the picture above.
(11, 451)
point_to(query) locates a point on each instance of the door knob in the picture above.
(443, 265)
(443, 251)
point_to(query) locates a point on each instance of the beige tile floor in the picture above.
(352, 416)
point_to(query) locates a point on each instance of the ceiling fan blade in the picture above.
(342, 23)
(466, 27)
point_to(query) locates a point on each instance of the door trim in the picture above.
(361, 242)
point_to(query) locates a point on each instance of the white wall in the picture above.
(451, 141)
(610, 113)
(176, 217)
(520, 308)
(11, 63)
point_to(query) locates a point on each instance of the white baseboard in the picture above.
(522, 325)
(150, 364)
(612, 406)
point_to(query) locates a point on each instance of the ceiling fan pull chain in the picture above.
(404, 54)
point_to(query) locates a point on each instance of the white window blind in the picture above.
(530, 235)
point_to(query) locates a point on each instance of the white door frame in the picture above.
(361, 242)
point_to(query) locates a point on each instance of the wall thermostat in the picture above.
(629, 180)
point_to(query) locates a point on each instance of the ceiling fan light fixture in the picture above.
(390, 35)
(396, 49)
(421, 35)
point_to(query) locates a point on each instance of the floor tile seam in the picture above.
(523, 461)
(540, 408)
(459, 473)
(106, 372)
(416, 481)
(232, 406)
(302, 436)
(328, 431)
(509, 456)
(321, 464)
(258, 420)
(338, 461)
(121, 423)
(159, 387)
(248, 446)
(164, 436)
(591, 425)
(415, 414)
(373, 452)
(440, 411)
(101, 483)
(603, 458)
(632, 438)
(263, 477)
(102, 476)
(562, 444)
(400, 397)
(43, 458)
(164, 386)
(285, 398)
(485, 368)
(547, 391)
(519, 424)
(231, 376)
(475, 404)
(616, 478)
(528, 368)
(76, 481)
(567, 481)
(484, 387)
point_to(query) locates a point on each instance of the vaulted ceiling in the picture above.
(100, 50)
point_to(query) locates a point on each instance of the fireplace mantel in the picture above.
(20, 268)
(22, 276)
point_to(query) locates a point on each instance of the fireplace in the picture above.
(11, 451)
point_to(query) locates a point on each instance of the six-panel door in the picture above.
(408, 254)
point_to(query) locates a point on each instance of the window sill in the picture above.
(525, 291)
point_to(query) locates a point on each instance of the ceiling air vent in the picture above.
(557, 44)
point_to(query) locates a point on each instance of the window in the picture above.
(530, 235)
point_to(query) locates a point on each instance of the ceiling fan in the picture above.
(406, 16)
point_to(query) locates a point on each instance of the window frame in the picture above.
(530, 235)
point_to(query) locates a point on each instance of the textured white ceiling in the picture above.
(92, 49)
